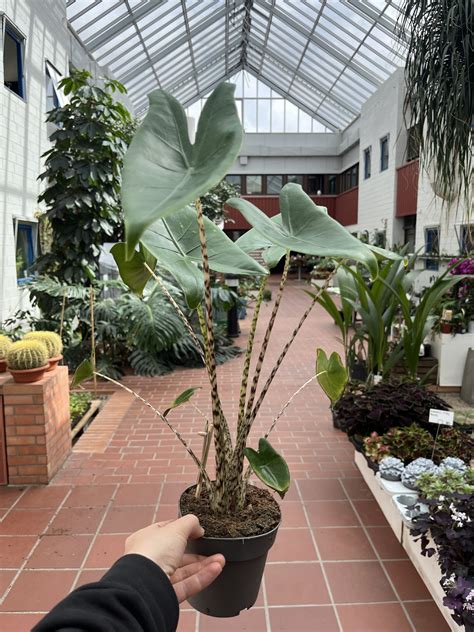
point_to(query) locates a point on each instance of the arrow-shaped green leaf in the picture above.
(269, 466)
(184, 397)
(163, 171)
(133, 272)
(306, 228)
(84, 371)
(331, 374)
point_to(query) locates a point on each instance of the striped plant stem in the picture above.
(179, 311)
(222, 440)
(238, 485)
(282, 355)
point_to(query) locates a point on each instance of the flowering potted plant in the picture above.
(465, 289)
(163, 178)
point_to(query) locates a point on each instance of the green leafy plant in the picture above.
(447, 481)
(164, 175)
(213, 202)
(331, 374)
(82, 176)
(79, 403)
(454, 442)
(27, 354)
(375, 447)
(409, 442)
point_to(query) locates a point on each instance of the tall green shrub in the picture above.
(83, 176)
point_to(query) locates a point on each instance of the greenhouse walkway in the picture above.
(336, 564)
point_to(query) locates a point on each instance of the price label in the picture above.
(442, 417)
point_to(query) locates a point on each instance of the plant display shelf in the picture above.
(427, 567)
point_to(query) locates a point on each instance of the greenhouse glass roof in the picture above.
(325, 56)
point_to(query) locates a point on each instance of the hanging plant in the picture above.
(439, 99)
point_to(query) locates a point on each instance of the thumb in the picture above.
(188, 527)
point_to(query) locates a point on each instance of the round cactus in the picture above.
(5, 344)
(453, 463)
(391, 468)
(27, 354)
(50, 339)
(415, 469)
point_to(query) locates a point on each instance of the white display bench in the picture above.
(427, 567)
(451, 353)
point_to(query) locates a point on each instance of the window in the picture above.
(384, 153)
(54, 95)
(254, 185)
(332, 185)
(466, 244)
(296, 179)
(25, 239)
(367, 162)
(409, 232)
(235, 180)
(349, 178)
(432, 247)
(315, 185)
(413, 143)
(13, 55)
(274, 184)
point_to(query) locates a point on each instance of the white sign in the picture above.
(443, 417)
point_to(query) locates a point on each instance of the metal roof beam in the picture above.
(172, 47)
(331, 50)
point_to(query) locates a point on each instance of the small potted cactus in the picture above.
(53, 344)
(5, 344)
(27, 361)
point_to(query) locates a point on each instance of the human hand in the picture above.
(165, 542)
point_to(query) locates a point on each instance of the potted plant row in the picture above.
(29, 359)
(163, 178)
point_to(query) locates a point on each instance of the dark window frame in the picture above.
(466, 240)
(11, 31)
(432, 247)
(384, 142)
(30, 229)
(367, 163)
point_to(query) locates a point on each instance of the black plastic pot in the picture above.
(358, 371)
(236, 588)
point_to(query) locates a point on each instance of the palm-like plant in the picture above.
(439, 97)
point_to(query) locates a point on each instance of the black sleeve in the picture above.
(135, 595)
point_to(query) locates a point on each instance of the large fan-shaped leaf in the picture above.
(174, 241)
(306, 228)
(253, 240)
(163, 171)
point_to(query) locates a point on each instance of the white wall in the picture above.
(380, 115)
(23, 133)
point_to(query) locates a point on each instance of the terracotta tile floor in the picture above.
(336, 565)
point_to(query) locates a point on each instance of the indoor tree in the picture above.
(82, 176)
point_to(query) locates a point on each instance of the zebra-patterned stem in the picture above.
(199, 464)
(178, 310)
(248, 352)
(266, 338)
(221, 430)
(282, 355)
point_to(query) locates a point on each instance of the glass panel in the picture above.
(367, 163)
(235, 180)
(305, 122)
(295, 179)
(291, 117)
(13, 63)
(384, 153)
(264, 106)
(250, 85)
(24, 250)
(254, 185)
(250, 115)
(315, 185)
(332, 185)
(278, 115)
(274, 184)
(263, 90)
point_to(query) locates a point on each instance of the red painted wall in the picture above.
(347, 206)
(407, 189)
(269, 204)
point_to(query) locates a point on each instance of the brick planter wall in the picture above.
(37, 427)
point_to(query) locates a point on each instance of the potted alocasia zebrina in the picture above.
(163, 177)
